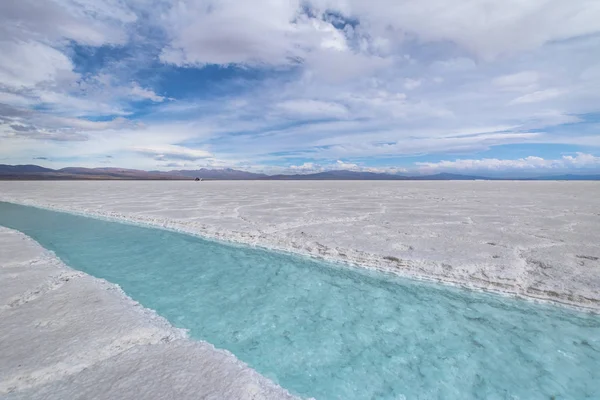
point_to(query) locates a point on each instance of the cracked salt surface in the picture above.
(324, 330)
(532, 239)
(66, 335)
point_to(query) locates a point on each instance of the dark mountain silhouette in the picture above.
(35, 172)
(117, 173)
(23, 169)
(339, 175)
(445, 176)
(226, 173)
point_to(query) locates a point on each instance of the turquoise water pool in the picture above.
(333, 332)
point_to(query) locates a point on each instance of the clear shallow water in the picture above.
(334, 332)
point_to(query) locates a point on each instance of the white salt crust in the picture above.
(535, 240)
(67, 335)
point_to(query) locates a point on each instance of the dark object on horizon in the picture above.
(197, 179)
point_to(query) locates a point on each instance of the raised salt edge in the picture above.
(357, 259)
(30, 380)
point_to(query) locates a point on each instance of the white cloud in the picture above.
(273, 32)
(521, 81)
(15, 99)
(36, 67)
(87, 22)
(307, 167)
(485, 28)
(301, 109)
(66, 103)
(400, 78)
(311, 168)
(538, 96)
(172, 152)
(87, 125)
(26, 64)
(580, 160)
(381, 103)
(342, 66)
(410, 84)
(230, 32)
(30, 124)
(268, 33)
(458, 64)
(386, 170)
(344, 165)
(139, 92)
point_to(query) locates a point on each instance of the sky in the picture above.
(501, 87)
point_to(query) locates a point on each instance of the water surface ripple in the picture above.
(334, 332)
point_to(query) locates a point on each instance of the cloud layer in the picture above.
(578, 162)
(299, 85)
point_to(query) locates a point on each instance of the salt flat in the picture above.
(533, 239)
(67, 335)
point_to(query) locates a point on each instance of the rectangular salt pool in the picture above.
(333, 332)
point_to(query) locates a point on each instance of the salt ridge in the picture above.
(412, 268)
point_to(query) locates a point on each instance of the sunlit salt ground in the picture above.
(333, 332)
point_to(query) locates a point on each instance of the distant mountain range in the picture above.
(217, 174)
(35, 172)
(339, 175)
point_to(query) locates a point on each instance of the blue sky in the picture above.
(485, 86)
